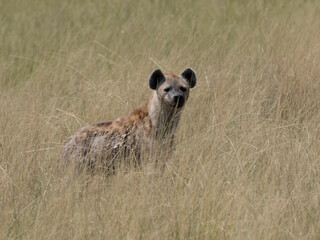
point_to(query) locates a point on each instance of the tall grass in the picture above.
(246, 164)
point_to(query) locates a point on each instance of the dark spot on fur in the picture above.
(103, 124)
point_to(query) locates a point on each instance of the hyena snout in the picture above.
(178, 99)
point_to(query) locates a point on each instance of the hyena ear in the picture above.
(156, 79)
(190, 76)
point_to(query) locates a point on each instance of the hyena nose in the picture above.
(176, 97)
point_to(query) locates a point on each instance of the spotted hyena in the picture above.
(148, 127)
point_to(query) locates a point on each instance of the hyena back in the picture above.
(149, 126)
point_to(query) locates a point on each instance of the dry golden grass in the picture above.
(247, 160)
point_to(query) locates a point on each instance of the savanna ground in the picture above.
(246, 164)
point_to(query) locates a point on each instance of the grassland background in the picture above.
(247, 160)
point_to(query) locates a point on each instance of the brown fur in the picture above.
(152, 124)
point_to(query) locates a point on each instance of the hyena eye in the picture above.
(167, 89)
(183, 89)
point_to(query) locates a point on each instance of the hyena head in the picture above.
(173, 90)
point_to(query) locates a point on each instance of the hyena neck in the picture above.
(164, 120)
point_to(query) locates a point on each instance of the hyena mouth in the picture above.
(178, 104)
